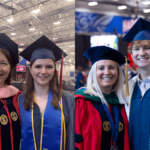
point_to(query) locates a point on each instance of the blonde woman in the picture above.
(100, 118)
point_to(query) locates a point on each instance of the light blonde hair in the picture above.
(94, 89)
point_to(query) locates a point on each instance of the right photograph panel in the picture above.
(112, 60)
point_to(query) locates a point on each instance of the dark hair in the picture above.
(29, 89)
(8, 57)
(79, 68)
(140, 42)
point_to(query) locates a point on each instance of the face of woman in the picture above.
(106, 74)
(4, 69)
(42, 71)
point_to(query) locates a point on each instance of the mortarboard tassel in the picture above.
(126, 74)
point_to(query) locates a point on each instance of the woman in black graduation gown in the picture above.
(100, 118)
(47, 114)
(10, 129)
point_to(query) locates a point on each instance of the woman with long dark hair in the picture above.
(10, 127)
(47, 114)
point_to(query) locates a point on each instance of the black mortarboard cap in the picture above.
(95, 54)
(139, 31)
(42, 48)
(9, 45)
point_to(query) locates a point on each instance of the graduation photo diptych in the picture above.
(74, 75)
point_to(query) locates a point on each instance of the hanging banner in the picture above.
(92, 22)
(71, 73)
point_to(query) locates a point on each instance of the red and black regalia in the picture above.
(92, 126)
(10, 123)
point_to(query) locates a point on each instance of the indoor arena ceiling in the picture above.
(24, 21)
(134, 8)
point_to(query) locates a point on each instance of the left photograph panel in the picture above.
(37, 74)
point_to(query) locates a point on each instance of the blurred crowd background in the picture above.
(105, 22)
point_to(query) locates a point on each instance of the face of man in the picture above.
(141, 55)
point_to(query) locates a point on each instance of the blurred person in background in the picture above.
(100, 118)
(85, 73)
(47, 113)
(79, 78)
(133, 68)
(138, 101)
(10, 123)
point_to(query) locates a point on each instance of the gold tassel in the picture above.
(126, 74)
(63, 127)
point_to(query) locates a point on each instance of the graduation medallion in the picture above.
(114, 147)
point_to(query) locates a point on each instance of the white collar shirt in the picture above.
(144, 85)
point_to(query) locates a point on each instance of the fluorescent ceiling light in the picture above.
(13, 33)
(92, 3)
(22, 44)
(65, 50)
(8, 26)
(55, 38)
(71, 45)
(146, 10)
(71, 53)
(36, 11)
(115, 0)
(10, 20)
(146, 3)
(57, 23)
(69, 0)
(32, 29)
(122, 7)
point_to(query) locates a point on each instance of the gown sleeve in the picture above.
(69, 106)
(78, 131)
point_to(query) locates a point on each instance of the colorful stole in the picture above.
(52, 124)
(8, 91)
(111, 98)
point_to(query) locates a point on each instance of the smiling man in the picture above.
(138, 110)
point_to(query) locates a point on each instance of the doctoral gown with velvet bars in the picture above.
(92, 127)
(10, 123)
(139, 120)
(45, 134)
